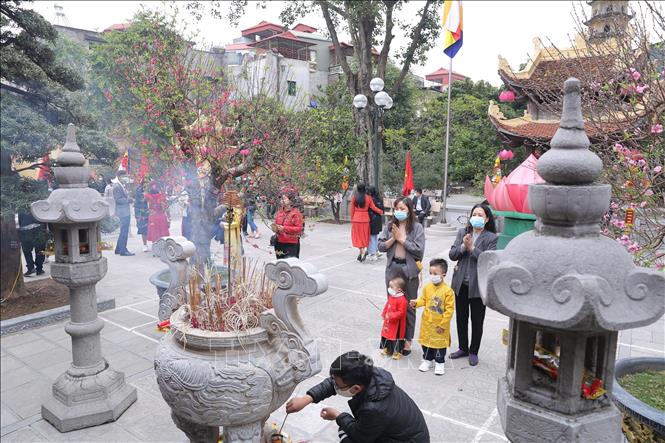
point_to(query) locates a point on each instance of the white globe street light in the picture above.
(389, 104)
(376, 84)
(381, 99)
(360, 101)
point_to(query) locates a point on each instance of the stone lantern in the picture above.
(90, 392)
(568, 290)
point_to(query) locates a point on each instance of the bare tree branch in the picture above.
(415, 41)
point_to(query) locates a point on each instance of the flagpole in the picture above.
(445, 168)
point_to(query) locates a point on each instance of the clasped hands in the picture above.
(468, 242)
(399, 236)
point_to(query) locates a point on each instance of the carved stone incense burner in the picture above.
(236, 380)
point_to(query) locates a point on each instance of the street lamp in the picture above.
(383, 101)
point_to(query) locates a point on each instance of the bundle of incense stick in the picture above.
(213, 308)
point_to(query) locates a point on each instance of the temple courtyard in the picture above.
(459, 406)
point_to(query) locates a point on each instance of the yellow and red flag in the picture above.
(408, 176)
(452, 27)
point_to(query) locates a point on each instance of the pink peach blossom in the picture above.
(657, 169)
(244, 152)
(641, 88)
(657, 128)
(635, 74)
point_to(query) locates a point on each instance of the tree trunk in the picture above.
(335, 206)
(11, 277)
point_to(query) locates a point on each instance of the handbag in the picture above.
(273, 240)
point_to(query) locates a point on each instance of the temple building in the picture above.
(537, 85)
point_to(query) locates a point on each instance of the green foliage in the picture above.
(332, 145)
(473, 139)
(42, 92)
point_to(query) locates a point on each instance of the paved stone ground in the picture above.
(459, 406)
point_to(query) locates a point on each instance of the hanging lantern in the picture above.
(507, 97)
(506, 154)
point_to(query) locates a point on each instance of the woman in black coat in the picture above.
(375, 225)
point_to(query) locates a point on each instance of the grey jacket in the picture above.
(486, 241)
(414, 245)
(121, 201)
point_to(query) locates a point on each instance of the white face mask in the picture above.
(344, 393)
(436, 279)
(394, 293)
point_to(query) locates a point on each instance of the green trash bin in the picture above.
(514, 224)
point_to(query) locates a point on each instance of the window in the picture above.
(291, 88)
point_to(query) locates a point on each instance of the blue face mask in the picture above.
(401, 215)
(477, 221)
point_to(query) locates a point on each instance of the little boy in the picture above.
(439, 302)
(394, 319)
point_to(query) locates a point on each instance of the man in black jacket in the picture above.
(382, 412)
(421, 205)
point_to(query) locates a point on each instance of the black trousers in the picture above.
(30, 242)
(464, 304)
(286, 250)
(421, 217)
(392, 345)
(436, 354)
(121, 246)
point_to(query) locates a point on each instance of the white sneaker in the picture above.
(145, 248)
(425, 366)
(439, 369)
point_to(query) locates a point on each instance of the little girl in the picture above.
(394, 319)
(438, 299)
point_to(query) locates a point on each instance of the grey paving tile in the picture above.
(108, 432)
(48, 358)
(140, 346)
(26, 400)
(10, 363)
(117, 336)
(24, 435)
(7, 416)
(17, 377)
(39, 346)
(13, 340)
(468, 409)
(444, 431)
(54, 371)
(151, 331)
(126, 317)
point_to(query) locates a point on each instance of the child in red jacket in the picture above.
(394, 319)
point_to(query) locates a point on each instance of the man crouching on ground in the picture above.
(382, 412)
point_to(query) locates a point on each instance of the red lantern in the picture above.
(507, 96)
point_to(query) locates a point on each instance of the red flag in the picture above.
(43, 172)
(408, 176)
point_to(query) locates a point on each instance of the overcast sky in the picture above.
(490, 28)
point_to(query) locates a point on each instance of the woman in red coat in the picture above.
(158, 222)
(288, 228)
(394, 319)
(360, 207)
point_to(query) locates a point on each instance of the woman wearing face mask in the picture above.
(403, 241)
(479, 235)
(288, 228)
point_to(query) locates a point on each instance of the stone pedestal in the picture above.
(90, 392)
